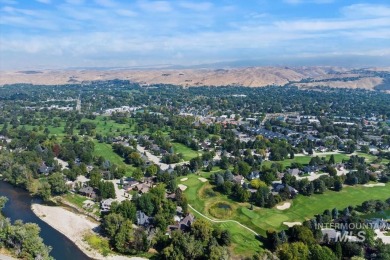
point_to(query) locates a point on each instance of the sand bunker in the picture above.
(291, 224)
(202, 179)
(184, 179)
(374, 185)
(182, 187)
(284, 206)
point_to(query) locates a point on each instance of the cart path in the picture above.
(223, 221)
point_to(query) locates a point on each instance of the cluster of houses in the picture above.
(122, 109)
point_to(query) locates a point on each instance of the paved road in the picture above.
(223, 221)
(157, 160)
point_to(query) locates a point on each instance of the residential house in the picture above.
(378, 224)
(46, 170)
(254, 175)
(105, 205)
(277, 187)
(184, 225)
(142, 219)
(88, 192)
(142, 187)
(294, 172)
(239, 179)
(130, 185)
(310, 169)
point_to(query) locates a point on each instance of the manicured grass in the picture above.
(105, 150)
(304, 160)
(75, 199)
(105, 126)
(261, 219)
(187, 152)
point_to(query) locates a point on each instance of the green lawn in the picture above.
(304, 160)
(105, 126)
(105, 150)
(187, 152)
(75, 199)
(261, 219)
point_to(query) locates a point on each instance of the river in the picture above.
(19, 207)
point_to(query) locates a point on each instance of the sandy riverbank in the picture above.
(74, 227)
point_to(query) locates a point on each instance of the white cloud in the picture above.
(332, 25)
(199, 7)
(366, 10)
(44, 1)
(106, 3)
(155, 6)
(126, 12)
(156, 31)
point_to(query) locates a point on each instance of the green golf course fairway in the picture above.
(262, 219)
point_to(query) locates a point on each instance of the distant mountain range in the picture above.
(304, 77)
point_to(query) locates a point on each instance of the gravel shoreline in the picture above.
(73, 226)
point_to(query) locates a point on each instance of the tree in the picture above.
(151, 170)
(25, 240)
(112, 223)
(202, 230)
(95, 178)
(318, 252)
(138, 174)
(338, 250)
(256, 183)
(44, 190)
(332, 160)
(293, 251)
(124, 237)
(127, 209)
(219, 180)
(338, 184)
(301, 234)
(145, 203)
(3, 201)
(107, 190)
(335, 213)
(273, 240)
(57, 183)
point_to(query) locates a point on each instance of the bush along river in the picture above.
(19, 207)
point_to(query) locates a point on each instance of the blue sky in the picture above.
(36, 34)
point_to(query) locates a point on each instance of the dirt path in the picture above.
(223, 221)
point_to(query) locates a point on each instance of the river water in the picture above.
(19, 207)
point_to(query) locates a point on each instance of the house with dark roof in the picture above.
(310, 169)
(130, 185)
(46, 170)
(142, 219)
(88, 192)
(184, 225)
(277, 187)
